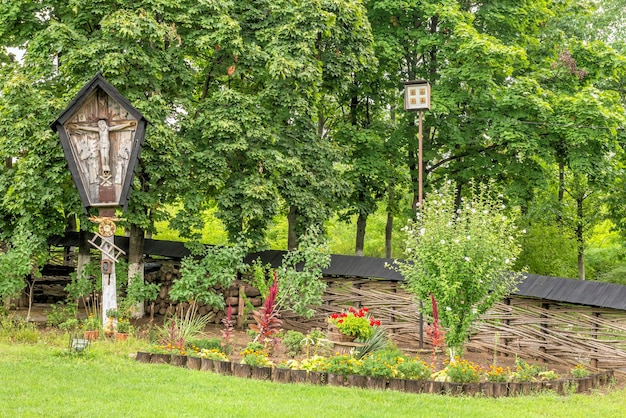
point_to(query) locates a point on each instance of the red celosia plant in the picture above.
(434, 331)
(228, 327)
(268, 320)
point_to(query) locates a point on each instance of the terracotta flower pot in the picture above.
(92, 335)
(337, 336)
(121, 336)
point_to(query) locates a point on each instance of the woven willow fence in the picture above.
(530, 328)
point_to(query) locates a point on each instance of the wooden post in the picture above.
(241, 307)
(594, 360)
(109, 288)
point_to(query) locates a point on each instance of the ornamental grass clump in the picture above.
(355, 323)
(462, 254)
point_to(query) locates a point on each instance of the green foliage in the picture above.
(70, 326)
(525, 372)
(547, 251)
(59, 313)
(213, 354)
(111, 363)
(17, 330)
(378, 341)
(255, 358)
(381, 363)
(463, 371)
(300, 284)
(177, 331)
(205, 343)
(124, 326)
(580, 370)
(200, 277)
(261, 278)
(294, 342)
(18, 261)
(413, 368)
(342, 364)
(462, 256)
(314, 341)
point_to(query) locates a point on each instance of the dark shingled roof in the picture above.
(581, 292)
(340, 265)
(591, 293)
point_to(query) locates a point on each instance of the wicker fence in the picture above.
(531, 328)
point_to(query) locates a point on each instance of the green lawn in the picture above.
(38, 381)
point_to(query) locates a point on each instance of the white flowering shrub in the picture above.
(461, 255)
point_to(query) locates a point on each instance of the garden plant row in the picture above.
(562, 386)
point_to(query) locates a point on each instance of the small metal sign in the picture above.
(102, 135)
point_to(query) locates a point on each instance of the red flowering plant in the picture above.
(356, 323)
(268, 322)
(434, 331)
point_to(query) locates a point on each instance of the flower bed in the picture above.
(342, 370)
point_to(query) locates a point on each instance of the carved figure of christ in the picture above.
(103, 130)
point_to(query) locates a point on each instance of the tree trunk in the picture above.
(580, 239)
(70, 226)
(135, 262)
(561, 195)
(84, 252)
(292, 237)
(361, 224)
(388, 234)
(413, 170)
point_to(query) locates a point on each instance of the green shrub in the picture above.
(206, 344)
(414, 368)
(463, 371)
(525, 372)
(18, 330)
(60, 313)
(294, 342)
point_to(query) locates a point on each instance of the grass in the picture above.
(40, 380)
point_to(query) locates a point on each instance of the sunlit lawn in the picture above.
(37, 380)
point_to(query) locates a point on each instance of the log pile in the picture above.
(238, 294)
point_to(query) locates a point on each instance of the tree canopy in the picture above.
(276, 108)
